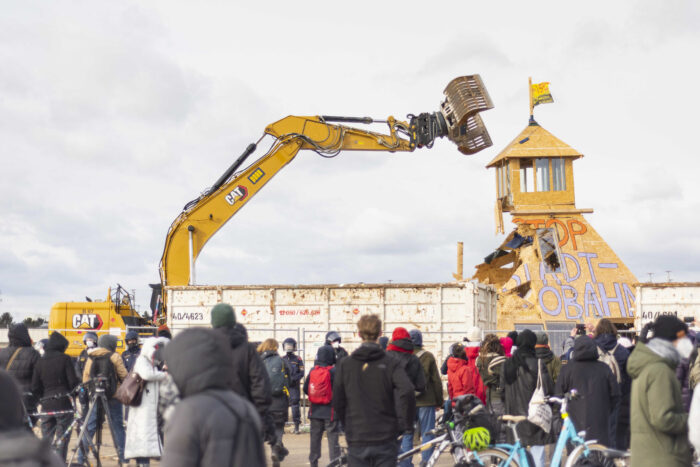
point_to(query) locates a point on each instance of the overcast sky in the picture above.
(114, 114)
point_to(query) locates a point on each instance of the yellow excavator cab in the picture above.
(113, 316)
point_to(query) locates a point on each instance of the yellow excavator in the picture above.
(457, 118)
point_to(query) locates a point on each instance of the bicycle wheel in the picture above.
(494, 457)
(597, 456)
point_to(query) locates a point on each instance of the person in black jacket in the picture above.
(18, 445)
(373, 398)
(53, 380)
(321, 416)
(333, 339)
(248, 377)
(296, 367)
(401, 348)
(211, 425)
(596, 384)
(605, 337)
(519, 378)
(133, 349)
(19, 359)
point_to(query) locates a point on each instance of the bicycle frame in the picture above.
(451, 438)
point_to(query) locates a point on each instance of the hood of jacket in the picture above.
(325, 356)
(198, 359)
(454, 364)
(18, 335)
(237, 334)
(585, 349)
(544, 353)
(57, 342)
(11, 413)
(108, 342)
(368, 352)
(416, 337)
(150, 345)
(472, 353)
(268, 354)
(643, 356)
(606, 342)
(405, 345)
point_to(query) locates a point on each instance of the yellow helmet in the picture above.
(477, 438)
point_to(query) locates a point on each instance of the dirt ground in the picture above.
(298, 446)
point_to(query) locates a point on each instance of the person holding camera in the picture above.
(105, 369)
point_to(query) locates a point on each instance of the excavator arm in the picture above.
(201, 218)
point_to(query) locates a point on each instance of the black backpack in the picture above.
(278, 376)
(103, 367)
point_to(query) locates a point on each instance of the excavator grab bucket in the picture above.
(465, 97)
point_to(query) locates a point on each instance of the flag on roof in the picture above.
(541, 94)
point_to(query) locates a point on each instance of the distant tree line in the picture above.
(6, 320)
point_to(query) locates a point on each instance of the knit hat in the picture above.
(400, 333)
(542, 338)
(222, 316)
(507, 344)
(474, 334)
(667, 327)
(416, 337)
(383, 342)
(108, 342)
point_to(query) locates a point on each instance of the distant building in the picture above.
(535, 184)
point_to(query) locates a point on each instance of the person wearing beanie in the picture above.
(107, 350)
(383, 342)
(401, 349)
(544, 353)
(507, 344)
(54, 376)
(432, 398)
(513, 335)
(248, 377)
(659, 423)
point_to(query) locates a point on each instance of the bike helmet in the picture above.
(477, 438)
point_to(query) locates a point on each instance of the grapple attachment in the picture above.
(465, 97)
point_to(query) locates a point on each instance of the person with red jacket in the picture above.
(462, 378)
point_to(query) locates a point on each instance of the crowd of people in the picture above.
(212, 397)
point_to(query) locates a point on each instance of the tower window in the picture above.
(542, 173)
(558, 176)
(527, 183)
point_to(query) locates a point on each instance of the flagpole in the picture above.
(529, 88)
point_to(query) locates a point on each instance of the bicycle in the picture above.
(590, 452)
(448, 434)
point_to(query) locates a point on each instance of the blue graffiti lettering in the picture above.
(567, 276)
(588, 257)
(590, 297)
(571, 302)
(617, 298)
(550, 311)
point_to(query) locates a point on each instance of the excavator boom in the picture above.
(457, 119)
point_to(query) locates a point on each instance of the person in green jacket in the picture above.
(659, 422)
(431, 399)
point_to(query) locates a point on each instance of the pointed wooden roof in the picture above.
(535, 141)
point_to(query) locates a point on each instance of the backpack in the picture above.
(320, 389)
(609, 359)
(103, 367)
(278, 376)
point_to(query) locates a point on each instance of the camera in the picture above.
(688, 319)
(580, 329)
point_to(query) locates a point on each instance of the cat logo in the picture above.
(87, 321)
(238, 194)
